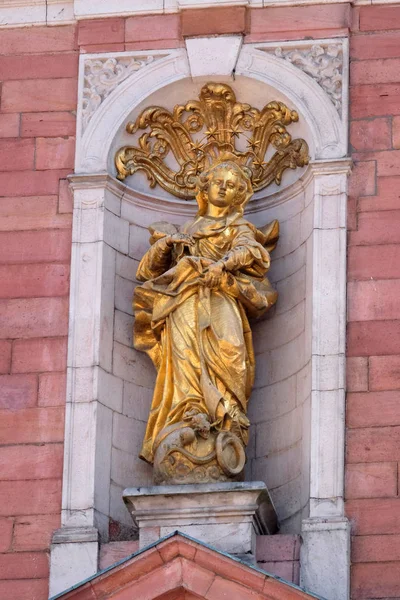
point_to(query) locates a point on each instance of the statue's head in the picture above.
(224, 183)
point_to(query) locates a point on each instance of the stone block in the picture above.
(370, 135)
(118, 510)
(271, 401)
(115, 551)
(28, 565)
(379, 580)
(39, 95)
(219, 21)
(41, 39)
(18, 391)
(213, 56)
(371, 72)
(378, 516)
(24, 149)
(6, 534)
(126, 267)
(376, 18)
(124, 295)
(137, 401)
(384, 372)
(287, 265)
(373, 410)
(280, 468)
(24, 589)
(36, 66)
(366, 338)
(123, 324)
(38, 355)
(31, 462)
(9, 125)
(289, 239)
(116, 232)
(376, 262)
(34, 532)
(149, 28)
(128, 434)
(35, 246)
(325, 557)
(109, 390)
(102, 467)
(47, 124)
(362, 180)
(371, 480)
(34, 280)
(52, 389)
(30, 213)
(281, 363)
(129, 469)
(375, 45)
(356, 374)
(377, 228)
(376, 548)
(44, 497)
(97, 31)
(298, 18)
(5, 356)
(133, 366)
(138, 241)
(375, 444)
(282, 432)
(287, 501)
(71, 563)
(374, 100)
(278, 548)
(55, 153)
(31, 183)
(32, 426)
(280, 329)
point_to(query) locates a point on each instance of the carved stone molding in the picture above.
(103, 75)
(322, 60)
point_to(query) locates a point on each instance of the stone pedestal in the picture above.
(225, 515)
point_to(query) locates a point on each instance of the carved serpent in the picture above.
(224, 439)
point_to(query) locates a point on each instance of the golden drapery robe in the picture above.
(198, 338)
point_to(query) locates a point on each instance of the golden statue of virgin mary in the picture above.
(200, 285)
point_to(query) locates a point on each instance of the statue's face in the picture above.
(223, 187)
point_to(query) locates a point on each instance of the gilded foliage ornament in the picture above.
(200, 131)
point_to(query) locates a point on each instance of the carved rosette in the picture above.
(198, 132)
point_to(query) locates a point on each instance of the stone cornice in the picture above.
(23, 13)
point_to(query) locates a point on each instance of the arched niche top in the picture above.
(113, 92)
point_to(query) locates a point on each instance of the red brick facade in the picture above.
(39, 68)
(373, 365)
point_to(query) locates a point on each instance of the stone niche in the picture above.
(278, 453)
(297, 405)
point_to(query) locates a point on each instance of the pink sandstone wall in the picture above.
(373, 400)
(39, 70)
(39, 67)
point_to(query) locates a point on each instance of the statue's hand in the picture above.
(179, 238)
(213, 275)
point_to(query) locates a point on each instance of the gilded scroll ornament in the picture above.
(201, 283)
(196, 133)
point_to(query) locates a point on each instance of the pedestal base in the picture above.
(225, 515)
(325, 557)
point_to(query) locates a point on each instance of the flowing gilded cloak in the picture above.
(198, 338)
